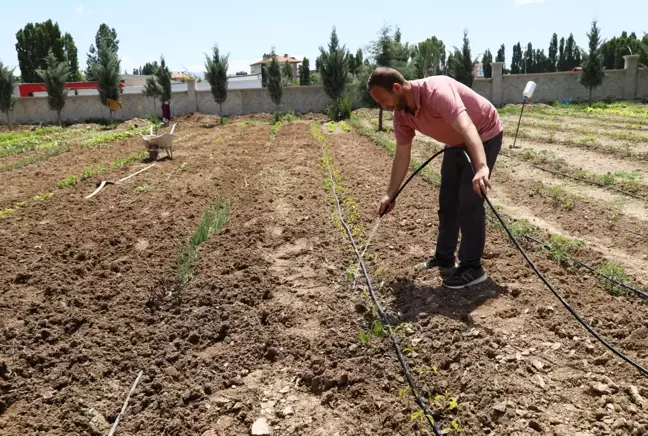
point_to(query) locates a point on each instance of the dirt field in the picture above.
(265, 321)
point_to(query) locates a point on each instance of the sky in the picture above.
(245, 29)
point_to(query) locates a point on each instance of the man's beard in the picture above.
(401, 104)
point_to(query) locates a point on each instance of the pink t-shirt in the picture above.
(439, 101)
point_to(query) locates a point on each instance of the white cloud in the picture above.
(527, 2)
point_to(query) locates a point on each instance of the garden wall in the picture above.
(628, 84)
(302, 99)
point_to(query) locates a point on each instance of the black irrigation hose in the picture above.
(587, 327)
(419, 399)
(592, 270)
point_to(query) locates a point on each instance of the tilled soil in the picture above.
(268, 326)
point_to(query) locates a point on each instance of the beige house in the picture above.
(293, 61)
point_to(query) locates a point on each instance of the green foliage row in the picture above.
(213, 219)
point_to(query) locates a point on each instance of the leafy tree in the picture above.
(352, 65)
(501, 57)
(149, 68)
(216, 74)
(571, 51)
(428, 58)
(318, 64)
(334, 68)
(382, 51)
(562, 61)
(54, 76)
(528, 60)
(358, 60)
(304, 72)
(275, 87)
(152, 89)
(593, 72)
(553, 54)
(105, 70)
(33, 43)
(163, 77)
(7, 98)
(541, 62)
(104, 35)
(135, 72)
(287, 72)
(516, 60)
(487, 59)
(463, 63)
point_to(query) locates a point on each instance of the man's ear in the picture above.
(397, 88)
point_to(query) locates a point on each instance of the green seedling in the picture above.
(561, 248)
(330, 126)
(140, 189)
(344, 126)
(6, 212)
(43, 196)
(615, 272)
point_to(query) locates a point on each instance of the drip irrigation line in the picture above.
(587, 327)
(602, 185)
(592, 270)
(410, 379)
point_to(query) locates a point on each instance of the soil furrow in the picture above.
(510, 334)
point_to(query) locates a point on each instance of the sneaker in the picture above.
(432, 262)
(465, 276)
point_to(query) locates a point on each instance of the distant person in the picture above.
(452, 113)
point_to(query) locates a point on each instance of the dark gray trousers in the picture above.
(460, 208)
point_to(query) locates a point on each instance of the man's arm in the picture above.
(400, 165)
(466, 127)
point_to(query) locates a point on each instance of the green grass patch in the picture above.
(106, 138)
(212, 221)
(119, 163)
(615, 272)
(274, 130)
(330, 126)
(51, 152)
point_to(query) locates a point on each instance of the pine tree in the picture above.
(216, 75)
(7, 98)
(593, 72)
(275, 87)
(464, 63)
(334, 71)
(105, 70)
(54, 76)
(553, 54)
(487, 60)
(304, 72)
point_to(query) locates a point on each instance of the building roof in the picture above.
(180, 76)
(284, 58)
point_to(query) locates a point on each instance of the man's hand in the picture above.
(385, 205)
(481, 183)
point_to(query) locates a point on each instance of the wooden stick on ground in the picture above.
(114, 427)
(104, 182)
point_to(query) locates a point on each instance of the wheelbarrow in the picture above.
(155, 143)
